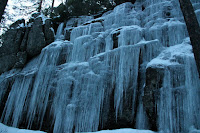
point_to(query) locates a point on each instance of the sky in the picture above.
(57, 3)
(22, 9)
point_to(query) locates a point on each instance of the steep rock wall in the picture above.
(24, 41)
(119, 70)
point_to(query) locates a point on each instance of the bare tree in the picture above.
(193, 29)
(40, 5)
(3, 4)
(53, 1)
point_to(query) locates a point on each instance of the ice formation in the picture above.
(72, 82)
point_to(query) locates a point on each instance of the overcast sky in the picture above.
(14, 6)
(14, 10)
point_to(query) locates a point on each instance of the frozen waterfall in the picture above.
(59, 33)
(106, 74)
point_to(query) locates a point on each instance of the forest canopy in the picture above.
(84, 7)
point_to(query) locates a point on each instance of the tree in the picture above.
(193, 29)
(52, 5)
(122, 1)
(3, 4)
(40, 5)
(87, 7)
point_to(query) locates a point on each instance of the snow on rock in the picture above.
(6, 129)
(169, 55)
(44, 18)
(123, 131)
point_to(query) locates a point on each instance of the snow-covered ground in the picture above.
(6, 129)
(125, 130)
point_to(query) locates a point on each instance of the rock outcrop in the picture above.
(36, 38)
(8, 51)
(21, 42)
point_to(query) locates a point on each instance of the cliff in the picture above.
(133, 67)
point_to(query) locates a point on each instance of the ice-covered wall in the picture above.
(98, 77)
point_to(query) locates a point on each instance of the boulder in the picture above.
(36, 38)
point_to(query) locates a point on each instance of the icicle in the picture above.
(43, 81)
(59, 33)
(179, 98)
(77, 104)
(141, 119)
(16, 103)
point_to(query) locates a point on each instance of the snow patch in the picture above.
(194, 130)
(6, 129)
(128, 130)
(44, 18)
(168, 56)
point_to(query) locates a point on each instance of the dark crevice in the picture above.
(55, 26)
(143, 8)
(115, 40)
(43, 30)
(139, 85)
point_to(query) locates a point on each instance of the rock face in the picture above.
(132, 67)
(48, 31)
(36, 38)
(21, 42)
(154, 78)
(10, 48)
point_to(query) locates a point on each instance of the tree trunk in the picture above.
(52, 5)
(40, 6)
(3, 4)
(193, 28)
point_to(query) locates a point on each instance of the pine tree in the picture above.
(3, 4)
(87, 7)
